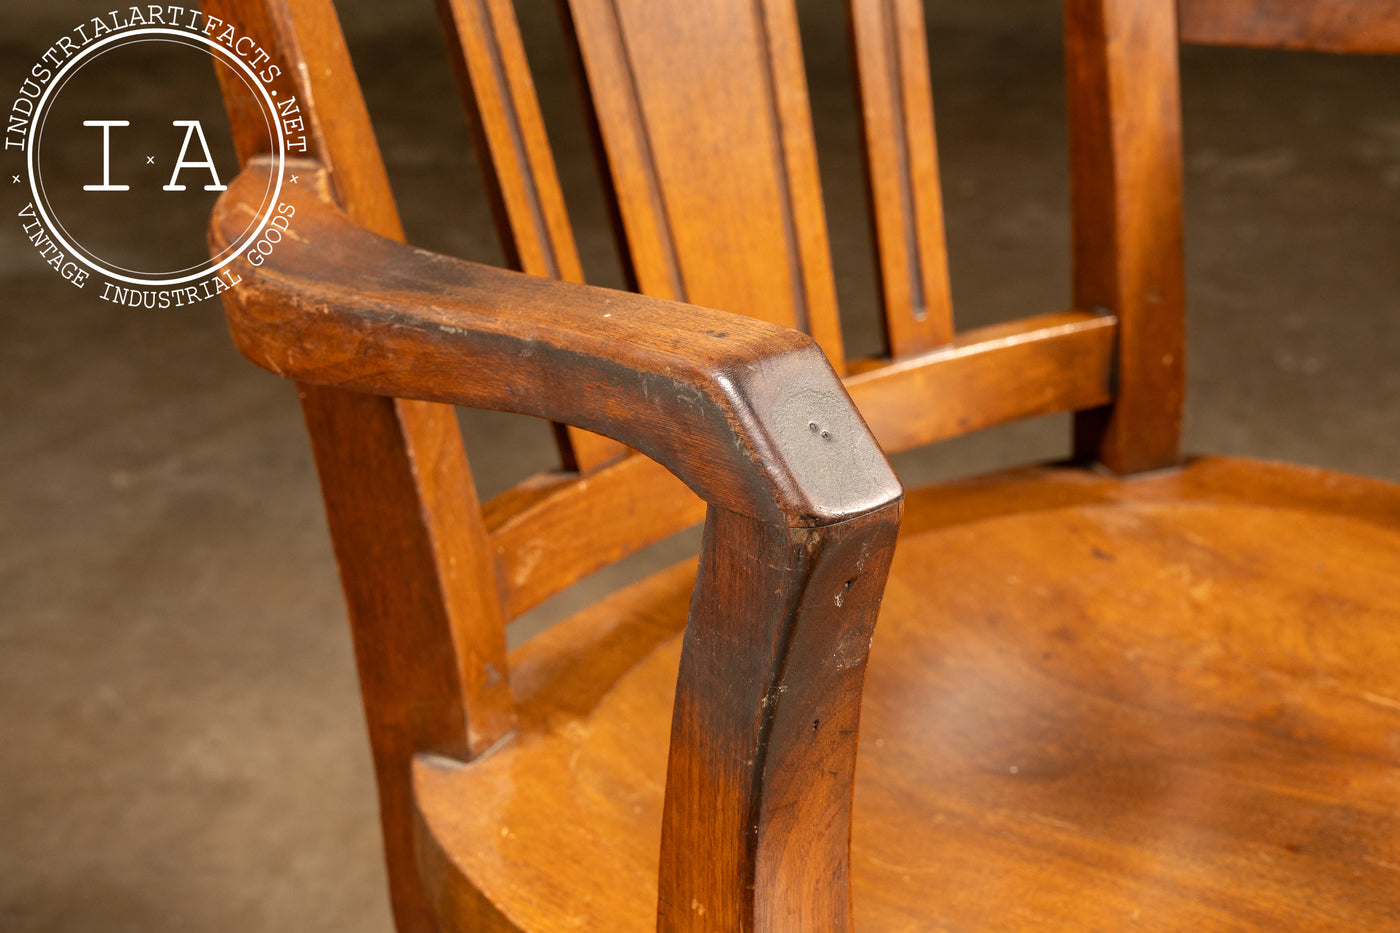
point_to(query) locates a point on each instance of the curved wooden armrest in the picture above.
(748, 414)
(803, 512)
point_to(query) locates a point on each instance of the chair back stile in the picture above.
(1125, 191)
(413, 552)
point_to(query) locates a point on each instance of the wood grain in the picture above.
(582, 525)
(1368, 26)
(1162, 702)
(1116, 719)
(763, 738)
(703, 113)
(751, 417)
(748, 414)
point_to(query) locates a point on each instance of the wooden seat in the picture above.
(1100, 727)
(1132, 691)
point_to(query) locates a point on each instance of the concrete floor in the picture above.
(182, 740)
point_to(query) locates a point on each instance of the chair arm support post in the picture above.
(756, 825)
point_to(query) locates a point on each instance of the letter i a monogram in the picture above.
(192, 129)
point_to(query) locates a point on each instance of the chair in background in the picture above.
(1135, 692)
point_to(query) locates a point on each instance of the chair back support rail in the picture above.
(720, 207)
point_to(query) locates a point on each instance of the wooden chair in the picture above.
(1140, 692)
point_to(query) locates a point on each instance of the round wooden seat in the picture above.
(1170, 703)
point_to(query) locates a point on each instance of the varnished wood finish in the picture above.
(770, 794)
(901, 164)
(408, 535)
(1125, 146)
(521, 182)
(703, 112)
(988, 376)
(551, 534)
(1322, 25)
(1162, 704)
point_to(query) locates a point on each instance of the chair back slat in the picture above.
(1370, 26)
(901, 163)
(488, 59)
(703, 113)
(522, 184)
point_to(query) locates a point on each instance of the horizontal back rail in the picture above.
(546, 538)
(584, 525)
(1368, 26)
(989, 376)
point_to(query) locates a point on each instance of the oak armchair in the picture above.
(1136, 690)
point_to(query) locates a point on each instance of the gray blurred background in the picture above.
(182, 743)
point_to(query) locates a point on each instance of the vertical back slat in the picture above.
(408, 533)
(1125, 148)
(901, 163)
(522, 184)
(703, 114)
